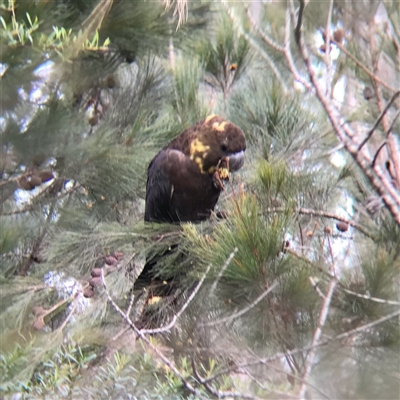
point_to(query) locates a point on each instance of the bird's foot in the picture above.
(217, 181)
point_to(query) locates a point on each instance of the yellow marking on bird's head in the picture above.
(199, 162)
(197, 147)
(198, 151)
(209, 118)
(219, 127)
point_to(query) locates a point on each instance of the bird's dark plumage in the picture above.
(184, 178)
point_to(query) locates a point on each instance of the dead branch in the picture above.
(324, 214)
(242, 311)
(317, 336)
(375, 175)
(143, 337)
(379, 120)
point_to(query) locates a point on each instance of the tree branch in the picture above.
(379, 120)
(317, 336)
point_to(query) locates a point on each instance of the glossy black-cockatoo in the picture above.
(184, 180)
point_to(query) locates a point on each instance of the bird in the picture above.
(186, 177)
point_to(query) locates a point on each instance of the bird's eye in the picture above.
(224, 147)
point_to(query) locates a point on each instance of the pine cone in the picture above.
(110, 82)
(338, 35)
(93, 120)
(46, 176)
(38, 310)
(88, 292)
(368, 93)
(95, 272)
(95, 281)
(35, 180)
(38, 323)
(25, 184)
(118, 255)
(342, 226)
(110, 260)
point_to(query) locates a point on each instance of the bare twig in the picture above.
(380, 118)
(222, 270)
(390, 129)
(363, 67)
(143, 337)
(369, 297)
(263, 35)
(321, 343)
(255, 45)
(181, 311)
(375, 175)
(242, 311)
(328, 58)
(324, 214)
(215, 392)
(393, 147)
(315, 286)
(317, 336)
(271, 366)
(377, 153)
(71, 313)
(289, 57)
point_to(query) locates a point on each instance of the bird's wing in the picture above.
(169, 169)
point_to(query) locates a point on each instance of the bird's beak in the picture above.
(236, 161)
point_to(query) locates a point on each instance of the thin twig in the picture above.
(280, 355)
(263, 35)
(314, 284)
(369, 297)
(222, 270)
(362, 66)
(380, 118)
(377, 153)
(324, 214)
(317, 336)
(289, 57)
(215, 392)
(271, 366)
(328, 58)
(242, 311)
(142, 336)
(183, 308)
(71, 313)
(255, 45)
(376, 177)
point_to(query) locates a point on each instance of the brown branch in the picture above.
(242, 311)
(394, 150)
(142, 336)
(317, 336)
(380, 118)
(369, 297)
(324, 342)
(362, 66)
(377, 153)
(376, 177)
(324, 214)
(215, 392)
(297, 29)
(289, 57)
(263, 35)
(327, 56)
(222, 270)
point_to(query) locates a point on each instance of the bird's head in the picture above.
(216, 144)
